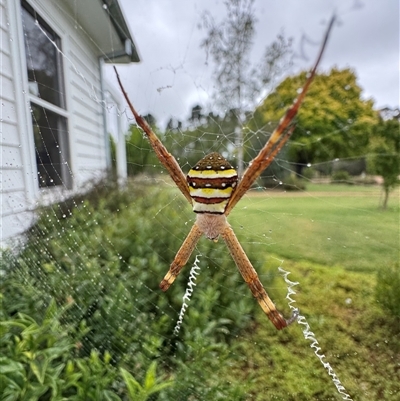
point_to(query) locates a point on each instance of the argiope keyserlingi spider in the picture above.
(213, 188)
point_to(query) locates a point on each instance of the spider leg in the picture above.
(251, 278)
(166, 159)
(258, 165)
(181, 257)
(278, 138)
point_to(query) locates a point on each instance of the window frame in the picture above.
(61, 111)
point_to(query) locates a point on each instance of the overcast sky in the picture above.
(173, 76)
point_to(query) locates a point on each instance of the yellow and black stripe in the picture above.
(211, 183)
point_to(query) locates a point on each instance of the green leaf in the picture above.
(7, 365)
(134, 387)
(150, 378)
(11, 391)
(160, 386)
(139, 393)
(39, 369)
(51, 311)
(57, 352)
(111, 396)
(35, 390)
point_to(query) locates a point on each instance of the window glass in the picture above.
(51, 145)
(43, 59)
(44, 69)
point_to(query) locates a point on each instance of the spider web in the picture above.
(100, 254)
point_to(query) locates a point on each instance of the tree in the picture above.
(139, 153)
(385, 149)
(333, 122)
(202, 134)
(238, 84)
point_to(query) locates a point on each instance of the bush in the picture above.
(40, 362)
(104, 255)
(309, 173)
(388, 289)
(293, 183)
(341, 176)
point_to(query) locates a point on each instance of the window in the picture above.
(51, 146)
(47, 99)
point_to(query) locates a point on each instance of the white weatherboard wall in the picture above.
(16, 182)
(20, 193)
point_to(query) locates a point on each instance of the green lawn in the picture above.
(330, 225)
(333, 239)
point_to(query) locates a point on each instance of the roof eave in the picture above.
(118, 20)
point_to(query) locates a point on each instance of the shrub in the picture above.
(39, 362)
(104, 255)
(309, 173)
(388, 289)
(293, 183)
(341, 176)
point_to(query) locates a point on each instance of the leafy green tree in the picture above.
(333, 122)
(385, 158)
(139, 153)
(188, 142)
(201, 134)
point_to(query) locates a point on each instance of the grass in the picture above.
(332, 225)
(333, 239)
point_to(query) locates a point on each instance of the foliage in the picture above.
(354, 165)
(40, 362)
(388, 289)
(200, 135)
(113, 152)
(333, 122)
(203, 134)
(385, 157)
(136, 391)
(108, 274)
(340, 176)
(33, 357)
(343, 177)
(293, 183)
(140, 156)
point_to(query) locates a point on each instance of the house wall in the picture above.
(20, 193)
(16, 188)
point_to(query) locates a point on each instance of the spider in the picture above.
(213, 188)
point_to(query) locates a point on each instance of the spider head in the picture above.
(211, 183)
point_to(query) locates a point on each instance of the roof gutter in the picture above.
(113, 9)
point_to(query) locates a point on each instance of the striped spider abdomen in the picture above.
(211, 183)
